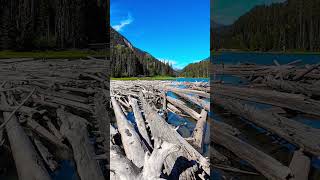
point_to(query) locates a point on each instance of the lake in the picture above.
(263, 58)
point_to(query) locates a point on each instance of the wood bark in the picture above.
(28, 163)
(268, 166)
(139, 120)
(74, 129)
(131, 141)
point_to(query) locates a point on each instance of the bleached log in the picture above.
(200, 93)
(305, 72)
(54, 130)
(102, 118)
(265, 164)
(202, 103)
(124, 169)
(139, 120)
(300, 165)
(44, 133)
(216, 157)
(74, 104)
(131, 141)
(291, 130)
(292, 86)
(23, 109)
(181, 105)
(160, 128)
(28, 163)
(199, 130)
(74, 129)
(285, 100)
(46, 155)
(173, 108)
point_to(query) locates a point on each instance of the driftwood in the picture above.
(29, 165)
(289, 91)
(202, 103)
(124, 169)
(140, 121)
(300, 166)
(191, 91)
(74, 129)
(185, 108)
(294, 132)
(200, 129)
(43, 86)
(46, 155)
(131, 141)
(161, 129)
(269, 167)
(285, 100)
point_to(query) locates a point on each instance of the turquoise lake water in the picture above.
(263, 58)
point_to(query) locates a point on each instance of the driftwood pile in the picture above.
(54, 110)
(269, 99)
(150, 147)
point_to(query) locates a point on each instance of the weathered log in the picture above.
(103, 118)
(46, 155)
(285, 100)
(199, 130)
(140, 121)
(200, 93)
(44, 133)
(174, 109)
(124, 169)
(293, 87)
(131, 141)
(293, 131)
(54, 130)
(74, 104)
(23, 109)
(216, 157)
(300, 165)
(160, 128)
(202, 103)
(28, 163)
(181, 105)
(303, 73)
(268, 166)
(74, 129)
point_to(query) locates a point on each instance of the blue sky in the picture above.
(227, 11)
(173, 30)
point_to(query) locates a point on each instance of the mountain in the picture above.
(52, 24)
(128, 61)
(198, 69)
(291, 25)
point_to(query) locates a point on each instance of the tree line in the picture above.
(195, 70)
(126, 63)
(52, 24)
(291, 25)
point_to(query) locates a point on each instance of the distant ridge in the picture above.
(198, 69)
(292, 25)
(128, 61)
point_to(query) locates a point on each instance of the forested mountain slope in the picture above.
(198, 69)
(52, 24)
(129, 61)
(291, 25)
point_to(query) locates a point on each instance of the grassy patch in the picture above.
(51, 54)
(144, 78)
